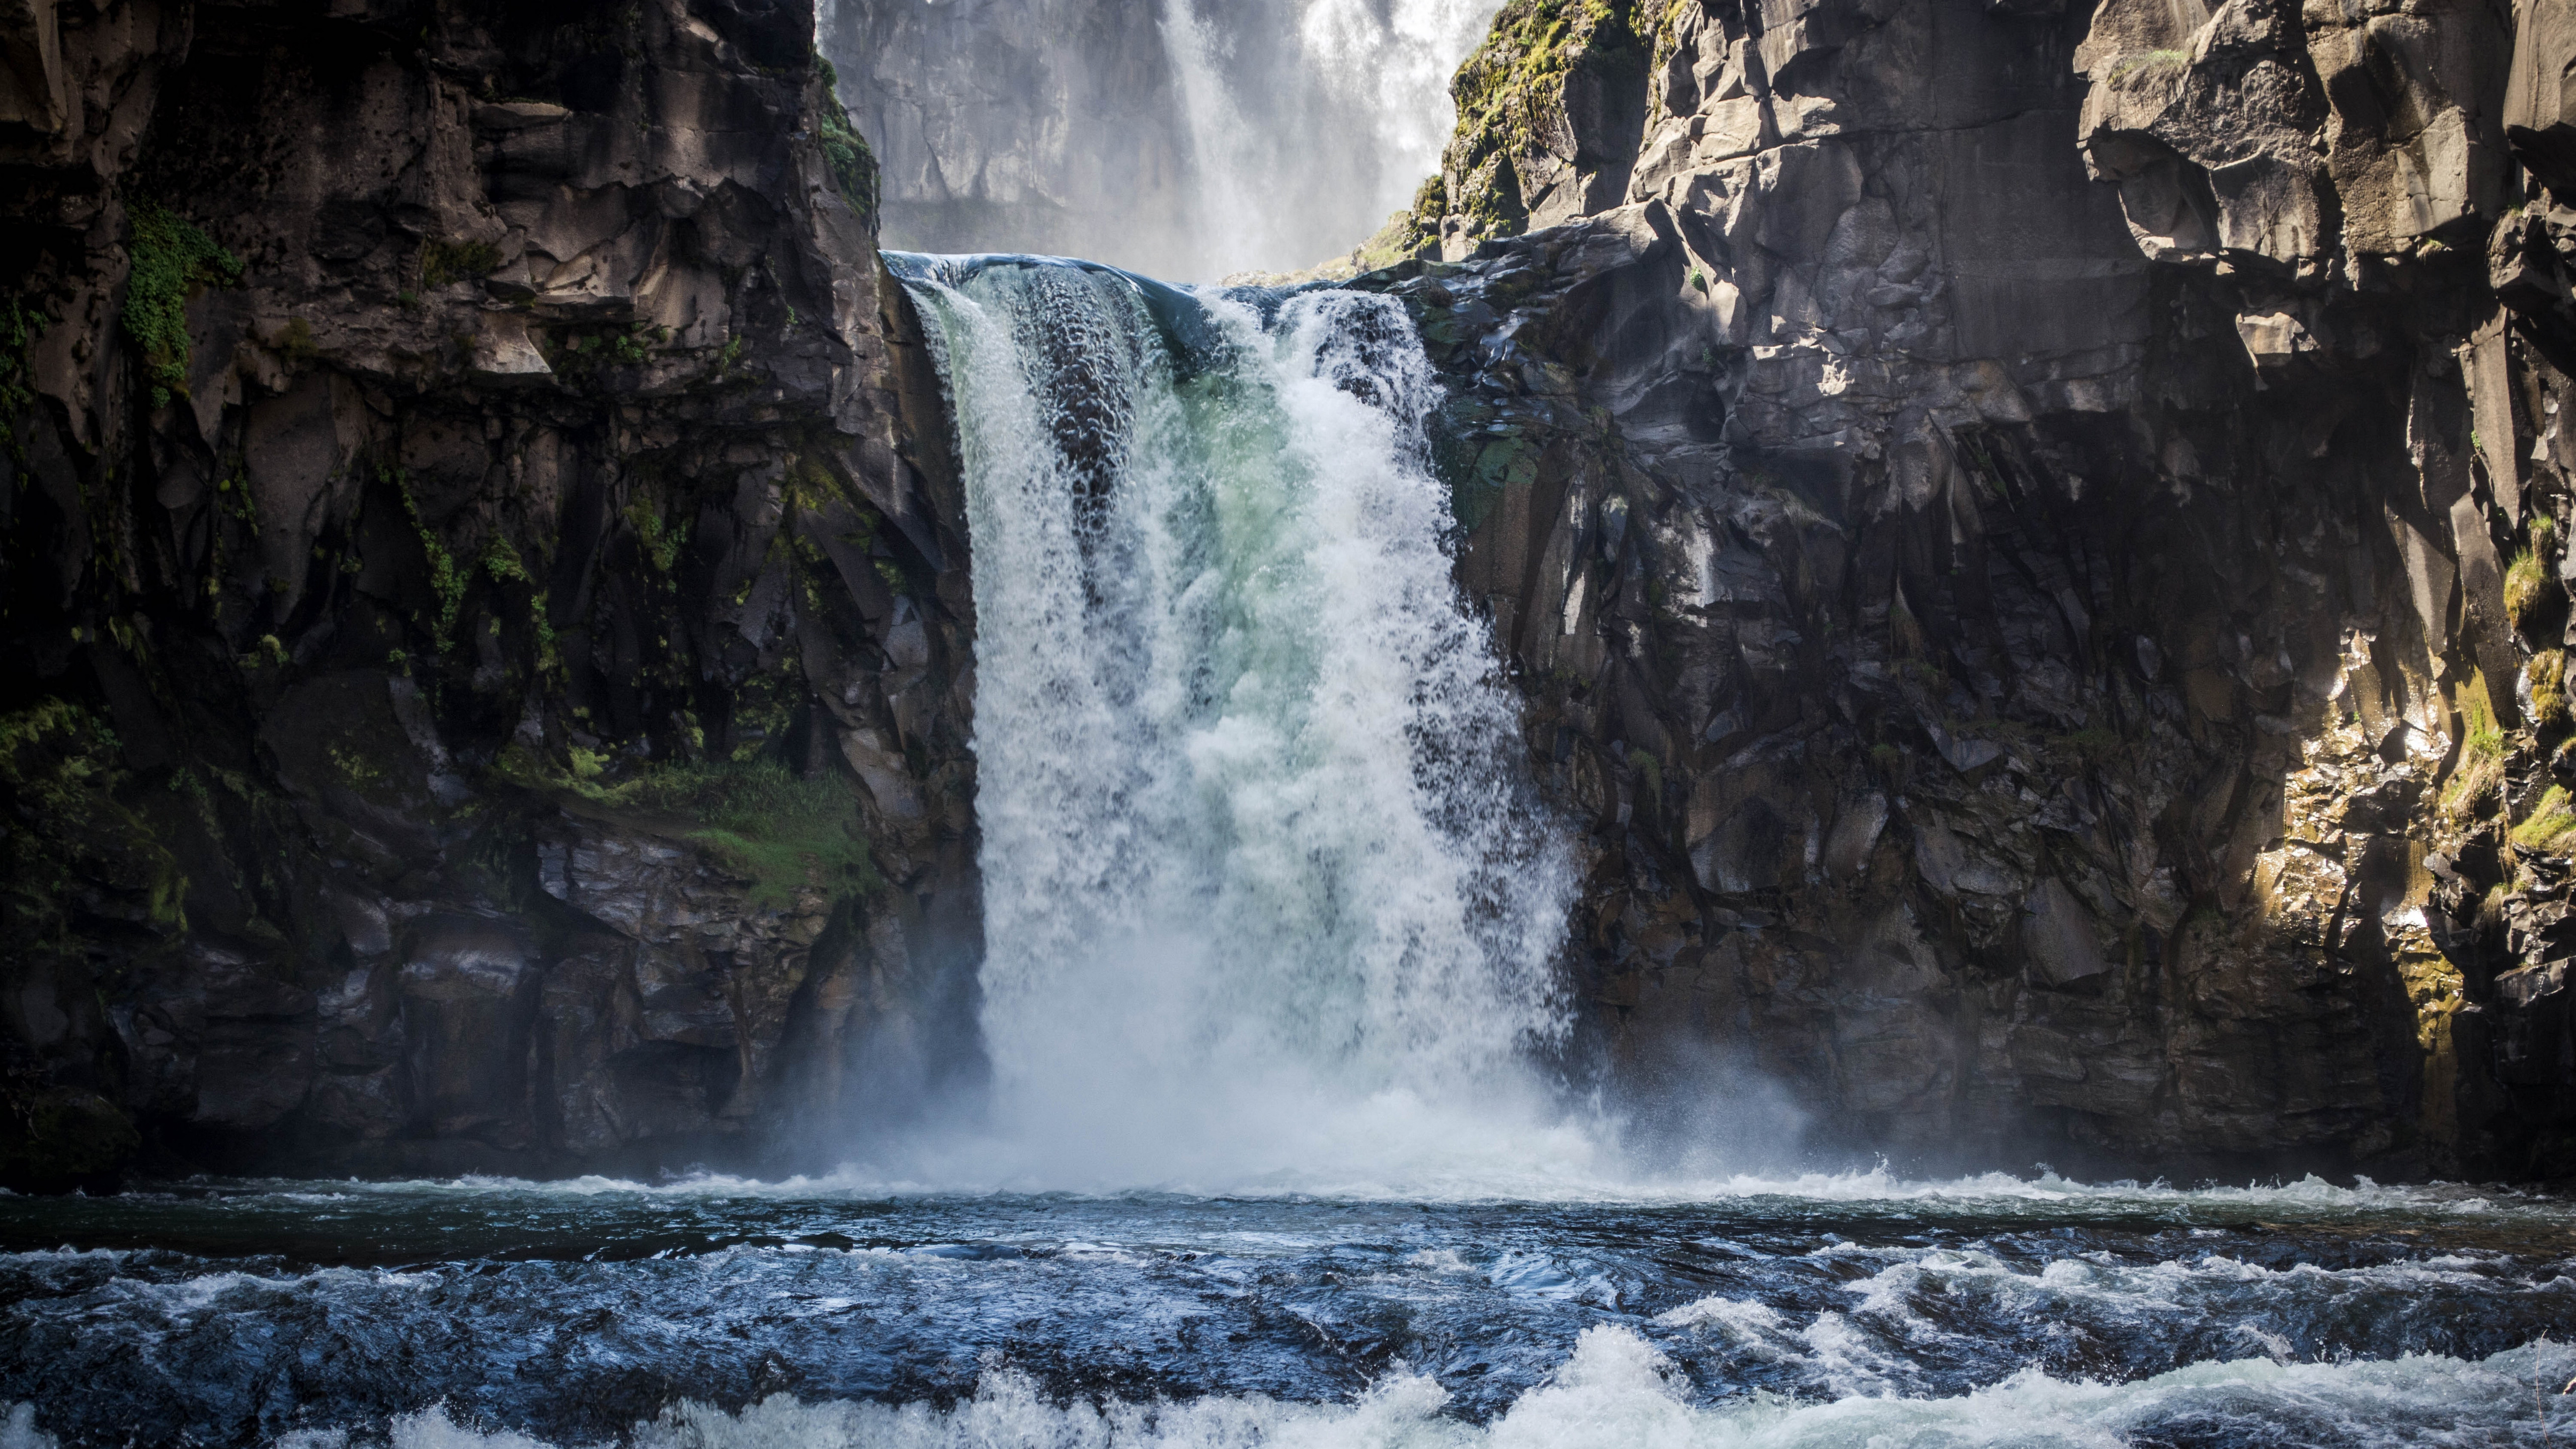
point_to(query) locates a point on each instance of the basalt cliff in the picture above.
(2030, 536)
(485, 613)
(2034, 536)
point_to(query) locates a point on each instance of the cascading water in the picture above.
(1265, 890)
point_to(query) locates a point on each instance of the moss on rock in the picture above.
(1510, 96)
(854, 166)
(172, 258)
(783, 834)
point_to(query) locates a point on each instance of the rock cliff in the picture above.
(2033, 535)
(486, 625)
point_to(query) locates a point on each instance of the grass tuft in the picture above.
(2477, 782)
(2548, 672)
(2526, 584)
(2551, 825)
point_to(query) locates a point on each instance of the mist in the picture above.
(1186, 139)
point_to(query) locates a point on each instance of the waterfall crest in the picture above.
(1266, 891)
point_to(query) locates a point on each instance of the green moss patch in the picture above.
(2477, 781)
(854, 166)
(444, 575)
(2549, 689)
(63, 825)
(2149, 63)
(2526, 584)
(1511, 94)
(172, 258)
(18, 330)
(2551, 826)
(782, 833)
(55, 1139)
(442, 262)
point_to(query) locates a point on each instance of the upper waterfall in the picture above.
(1265, 888)
(1181, 138)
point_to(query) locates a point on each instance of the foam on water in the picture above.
(1617, 1391)
(1587, 1174)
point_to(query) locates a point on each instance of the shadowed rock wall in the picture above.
(2033, 537)
(485, 636)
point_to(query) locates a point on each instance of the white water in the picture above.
(1617, 1391)
(1265, 898)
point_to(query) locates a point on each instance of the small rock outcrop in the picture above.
(2033, 536)
(486, 626)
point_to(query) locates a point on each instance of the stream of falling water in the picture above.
(1267, 896)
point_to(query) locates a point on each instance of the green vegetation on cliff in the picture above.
(442, 262)
(782, 833)
(1511, 97)
(65, 830)
(18, 329)
(171, 259)
(854, 166)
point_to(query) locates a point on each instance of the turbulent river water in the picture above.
(1267, 1158)
(1831, 1311)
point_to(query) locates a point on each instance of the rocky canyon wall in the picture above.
(2033, 535)
(486, 626)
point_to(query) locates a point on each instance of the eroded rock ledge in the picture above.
(2034, 537)
(486, 637)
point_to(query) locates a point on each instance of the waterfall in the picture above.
(1194, 138)
(1266, 890)
(1309, 121)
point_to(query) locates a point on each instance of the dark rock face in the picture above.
(487, 628)
(2032, 536)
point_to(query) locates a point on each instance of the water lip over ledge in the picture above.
(1181, 312)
